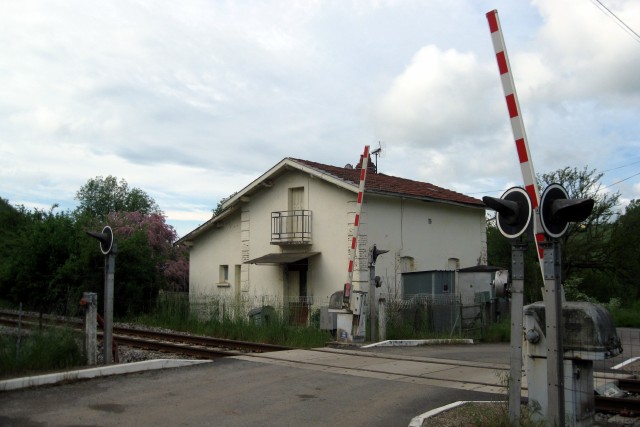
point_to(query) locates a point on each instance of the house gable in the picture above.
(347, 179)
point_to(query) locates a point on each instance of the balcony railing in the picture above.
(291, 227)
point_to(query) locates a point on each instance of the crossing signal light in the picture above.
(513, 211)
(375, 252)
(557, 210)
(105, 238)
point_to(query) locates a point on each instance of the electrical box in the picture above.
(358, 302)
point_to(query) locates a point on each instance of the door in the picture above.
(296, 205)
(297, 293)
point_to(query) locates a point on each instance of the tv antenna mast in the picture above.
(377, 152)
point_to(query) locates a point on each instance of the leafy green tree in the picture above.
(101, 196)
(47, 260)
(585, 246)
(626, 251)
(36, 273)
(586, 250)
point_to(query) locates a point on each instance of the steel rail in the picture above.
(199, 340)
(619, 405)
(172, 347)
(629, 384)
(131, 334)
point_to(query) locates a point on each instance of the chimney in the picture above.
(371, 167)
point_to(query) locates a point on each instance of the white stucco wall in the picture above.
(220, 246)
(429, 233)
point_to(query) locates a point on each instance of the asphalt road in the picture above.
(227, 392)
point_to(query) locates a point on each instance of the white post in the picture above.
(90, 301)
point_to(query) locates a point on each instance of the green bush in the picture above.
(624, 316)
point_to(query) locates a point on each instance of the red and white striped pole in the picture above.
(356, 227)
(517, 126)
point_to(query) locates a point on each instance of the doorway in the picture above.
(296, 295)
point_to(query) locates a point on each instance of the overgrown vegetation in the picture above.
(47, 350)
(47, 260)
(273, 328)
(498, 332)
(487, 414)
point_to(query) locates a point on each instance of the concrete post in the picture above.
(382, 319)
(90, 300)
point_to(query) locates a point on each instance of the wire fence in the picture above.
(421, 316)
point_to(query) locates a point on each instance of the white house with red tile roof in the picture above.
(288, 233)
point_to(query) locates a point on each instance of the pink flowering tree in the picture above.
(147, 259)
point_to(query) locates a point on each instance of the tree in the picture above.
(586, 246)
(626, 250)
(101, 196)
(147, 260)
(36, 272)
(47, 260)
(220, 206)
(586, 250)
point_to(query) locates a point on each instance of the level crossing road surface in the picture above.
(320, 387)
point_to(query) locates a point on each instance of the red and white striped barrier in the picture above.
(356, 222)
(517, 126)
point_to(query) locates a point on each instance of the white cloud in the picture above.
(192, 100)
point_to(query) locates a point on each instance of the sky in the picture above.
(191, 101)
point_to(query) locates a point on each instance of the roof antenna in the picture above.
(377, 152)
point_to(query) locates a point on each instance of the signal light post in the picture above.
(109, 249)
(514, 212)
(374, 282)
(556, 211)
(513, 217)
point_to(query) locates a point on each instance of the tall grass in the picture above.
(46, 350)
(498, 332)
(272, 327)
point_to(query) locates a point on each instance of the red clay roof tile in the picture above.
(381, 183)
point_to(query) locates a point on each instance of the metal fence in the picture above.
(424, 316)
(421, 316)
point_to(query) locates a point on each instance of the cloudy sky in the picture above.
(192, 100)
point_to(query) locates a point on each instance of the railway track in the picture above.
(163, 341)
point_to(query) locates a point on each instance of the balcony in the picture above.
(291, 227)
